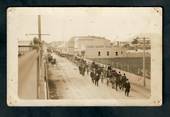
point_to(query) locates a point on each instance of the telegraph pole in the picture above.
(39, 27)
(39, 36)
(144, 59)
(40, 58)
(144, 77)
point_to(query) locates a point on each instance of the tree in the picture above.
(135, 41)
(36, 41)
(126, 45)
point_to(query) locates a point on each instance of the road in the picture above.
(65, 82)
(27, 75)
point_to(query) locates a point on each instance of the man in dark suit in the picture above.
(127, 88)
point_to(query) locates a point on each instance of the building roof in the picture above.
(89, 37)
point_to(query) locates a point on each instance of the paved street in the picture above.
(65, 82)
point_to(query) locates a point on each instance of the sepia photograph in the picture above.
(84, 56)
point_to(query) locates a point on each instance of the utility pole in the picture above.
(39, 27)
(144, 58)
(40, 57)
(144, 77)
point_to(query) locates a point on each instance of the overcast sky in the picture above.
(63, 23)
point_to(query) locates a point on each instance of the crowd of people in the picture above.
(102, 73)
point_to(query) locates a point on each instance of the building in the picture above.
(93, 47)
(70, 46)
(104, 52)
(24, 46)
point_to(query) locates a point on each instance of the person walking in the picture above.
(127, 88)
(109, 74)
(124, 79)
(80, 68)
(97, 77)
(117, 80)
(93, 65)
(120, 80)
(102, 75)
(87, 69)
(92, 75)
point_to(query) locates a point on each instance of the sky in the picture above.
(116, 24)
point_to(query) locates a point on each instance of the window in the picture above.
(107, 53)
(116, 53)
(121, 52)
(99, 53)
